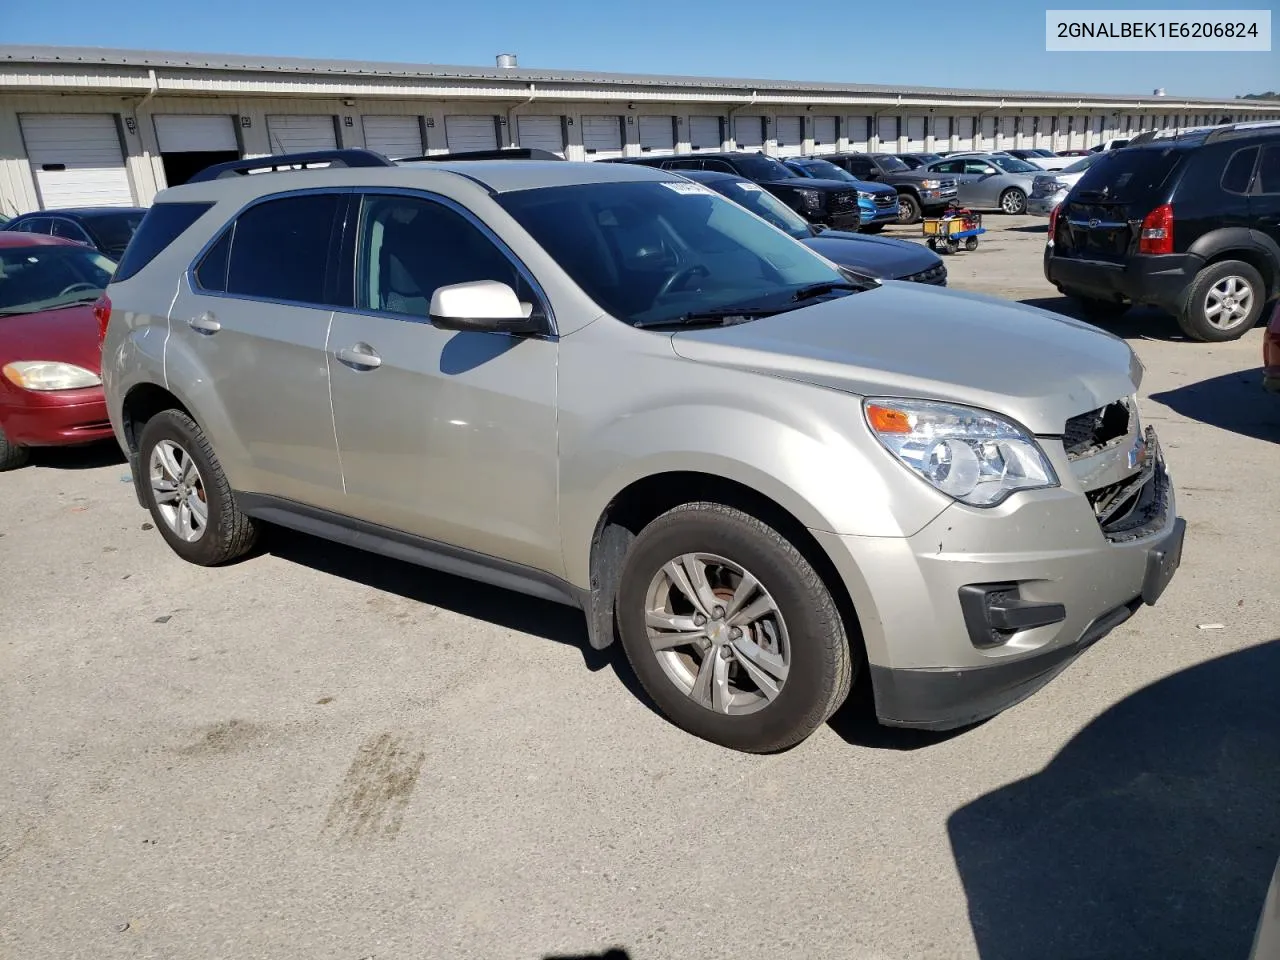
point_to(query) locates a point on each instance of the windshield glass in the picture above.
(825, 170)
(113, 231)
(764, 205)
(1082, 164)
(891, 164)
(1014, 165)
(762, 168)
(1129, 176)
(654, 251)
(44, 277)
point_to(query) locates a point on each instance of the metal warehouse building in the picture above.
(89, 126)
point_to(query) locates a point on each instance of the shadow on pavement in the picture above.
(1233, 401)
(505, 608)
(1140, 323)
(856, 724)
(1152, 834)
(89, 457)
(615, 953)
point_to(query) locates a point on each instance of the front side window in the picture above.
(891, 164)
(408, 247)
(762, 168)
(50, 277)
(1238, 173)
(69, 231)
(1269, 171)
(977, 166)
(114, 230)
(825, 170)
(280, 249)
(948, 166)
(1014, 165)
(654, 252)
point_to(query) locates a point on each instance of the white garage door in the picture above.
(1060, 133)
(1078, 127)
(915, 134)
(790, 136)
(824, 135)
(77, 160)
(299, 134)
(395, 137)
(887, 131)
(1006, 133)
(964, 133)
(859, 133)
(704, 133)
(748, 132)
(988, 133)
(602, 137)
(196, 133)
(657, 134)
(541, 133)
(464, 134)
(941, 133)
(1043, 132)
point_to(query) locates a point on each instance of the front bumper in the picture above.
(1044, 206)
(928, 666)
(56, 418)
(1158, 281)
(934, 200)
(844, 220)
(871, 214)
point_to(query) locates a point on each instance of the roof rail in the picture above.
(512, 153)
(1222, 133)
(334, 158)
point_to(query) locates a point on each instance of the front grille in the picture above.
(936, 275)
(946, 184)
(886, 200)
(841, 201)
(1137, 506)
(1090, 432)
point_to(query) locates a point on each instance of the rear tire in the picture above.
(908, 209)
(12, 456)
(1223, 302)
(189, 496)
(785, 629)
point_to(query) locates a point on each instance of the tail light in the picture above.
(1157, 231)
(102, 313)
(1053, 223)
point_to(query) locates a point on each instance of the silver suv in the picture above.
(605, 385)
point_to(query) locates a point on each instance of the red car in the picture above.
(1271, 353)
(50, 358)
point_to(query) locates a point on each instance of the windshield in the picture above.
(825, 170)
(1082, 164)
(650, 252)
(1014, 165)
(113, 231)
(764, 205)
(45, 277)
(762, 168)
(890, 164)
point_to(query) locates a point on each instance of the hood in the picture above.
(69, 335)
(914, 340)
(812, 183)
(879, 256)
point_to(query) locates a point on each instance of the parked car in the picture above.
(1188, 224)
(1050, 189)
(644, 401)
(1271, 352)
(1043, 159)
(919, 193)
(877, 202)
(987, 181)
(915, 161)
(50, 394)
(1074, 153)
(1108, 145)
(106, 229)
(833, 203)
(876, 258)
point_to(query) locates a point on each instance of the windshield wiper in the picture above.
(820, 289)
(720, 318)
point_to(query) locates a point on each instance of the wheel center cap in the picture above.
(718, 632)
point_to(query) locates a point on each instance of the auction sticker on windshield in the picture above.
(685, 187)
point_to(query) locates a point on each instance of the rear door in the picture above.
(1265, 202)
(1101, 218)
(255, 321)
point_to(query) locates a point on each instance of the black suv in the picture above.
(1189, 224)
(830, 202)
(919, 192)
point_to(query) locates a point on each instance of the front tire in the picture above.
(12, 456)
(1223, 302)
(188, 494)
(1013, 202)
(730, 629)
(908, 209)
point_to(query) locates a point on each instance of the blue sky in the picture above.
(976, 43)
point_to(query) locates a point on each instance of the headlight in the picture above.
(49, 375)
(974, 456)
(809, 199)
(931, 184)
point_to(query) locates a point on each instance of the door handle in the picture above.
(205, 323)
(361, 356)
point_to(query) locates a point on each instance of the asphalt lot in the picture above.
(321, 754)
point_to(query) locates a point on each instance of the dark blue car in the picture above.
(107, 229)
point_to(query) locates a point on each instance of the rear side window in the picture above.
(162, 225)
(1129, 176)
(1269, 171)
(280, 249)
(1239, 171)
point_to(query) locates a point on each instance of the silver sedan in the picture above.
(989, 181)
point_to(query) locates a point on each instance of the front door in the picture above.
(248, 340)
(446, 435)
(1264, 205)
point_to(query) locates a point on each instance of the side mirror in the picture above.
(482, 306)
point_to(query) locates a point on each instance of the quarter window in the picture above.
(280, 250)
(408, 247)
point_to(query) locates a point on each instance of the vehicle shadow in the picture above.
(501, 607)
(1140, 323)
(614, 953)
(89, 457)
(1152, 834)
(856, 724)
(1031, 228)
(1234, 401)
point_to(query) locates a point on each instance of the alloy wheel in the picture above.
(1228, 302)
(179, 491)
